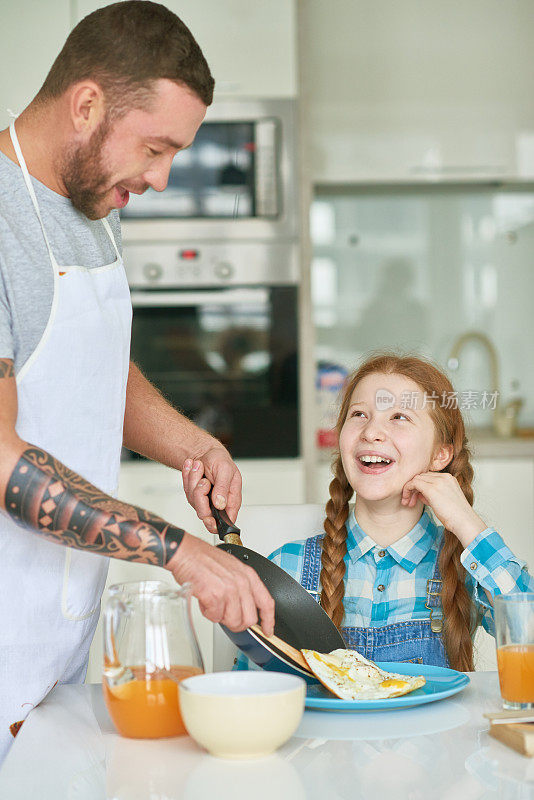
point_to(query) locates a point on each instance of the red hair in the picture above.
(450, 430)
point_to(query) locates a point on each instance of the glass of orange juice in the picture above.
(150, 645)
(514, 631)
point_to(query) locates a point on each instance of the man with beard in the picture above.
(127, 92)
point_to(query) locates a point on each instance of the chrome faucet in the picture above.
(504, 420)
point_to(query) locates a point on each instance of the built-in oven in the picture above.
(215, 328)
(236, 181)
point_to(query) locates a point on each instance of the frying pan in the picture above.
(299, 619)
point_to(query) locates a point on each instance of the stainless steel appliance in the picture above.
(212, 264)
(215, 329)
(237, 181)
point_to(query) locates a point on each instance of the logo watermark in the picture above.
(384, 399)
(416, 401)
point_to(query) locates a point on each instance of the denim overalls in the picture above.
(418, 640)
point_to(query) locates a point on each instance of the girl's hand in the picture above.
(442, 492)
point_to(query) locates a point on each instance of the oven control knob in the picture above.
(224, 270)
(153, 271)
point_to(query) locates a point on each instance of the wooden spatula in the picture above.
(294, 654)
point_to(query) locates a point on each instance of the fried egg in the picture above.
(350, 676)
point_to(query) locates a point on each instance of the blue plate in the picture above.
(440, 682)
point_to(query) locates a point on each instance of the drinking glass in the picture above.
(150, 645)
(514, 629)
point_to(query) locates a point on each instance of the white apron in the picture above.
(71, 400)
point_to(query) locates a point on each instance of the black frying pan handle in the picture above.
(228, 532)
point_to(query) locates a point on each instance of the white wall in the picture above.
(32, 32)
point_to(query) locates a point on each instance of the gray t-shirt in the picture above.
(26, 279)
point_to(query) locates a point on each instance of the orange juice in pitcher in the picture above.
(148, 706)
(150, 646)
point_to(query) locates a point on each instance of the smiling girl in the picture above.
(410, 571)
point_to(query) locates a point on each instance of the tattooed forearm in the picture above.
(43, 494)
(6, 368)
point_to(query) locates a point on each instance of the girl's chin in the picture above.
(376, 493)
(379, 497)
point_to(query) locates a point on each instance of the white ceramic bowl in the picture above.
(242, 714)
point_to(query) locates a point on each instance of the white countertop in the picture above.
(68, 750)
(485, 444)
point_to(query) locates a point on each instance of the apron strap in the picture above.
(107, 226)
(31, 191)
(29, 186)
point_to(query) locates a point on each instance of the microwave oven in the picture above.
(237, 181)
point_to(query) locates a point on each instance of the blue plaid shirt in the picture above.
(403, 569)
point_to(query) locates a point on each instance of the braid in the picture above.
(334, 545)
(456, 601)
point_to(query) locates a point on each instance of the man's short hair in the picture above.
(125, 47)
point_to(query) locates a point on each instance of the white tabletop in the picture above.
(68, 750)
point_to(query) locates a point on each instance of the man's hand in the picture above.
(213, 468)
(227, 590)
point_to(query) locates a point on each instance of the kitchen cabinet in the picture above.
(250, 45)
(31, 35)
(159, 488)
(419, 90)
(504, 498)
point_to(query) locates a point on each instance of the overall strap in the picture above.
(434, 586)
(311, 568)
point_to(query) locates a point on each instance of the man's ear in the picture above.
(87, 107)
(442, 457)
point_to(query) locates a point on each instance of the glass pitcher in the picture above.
(150, 645)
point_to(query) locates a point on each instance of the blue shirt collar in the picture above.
(408, 551)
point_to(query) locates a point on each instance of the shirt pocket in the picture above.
(84, 579)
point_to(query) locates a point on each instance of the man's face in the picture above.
(132, 153)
